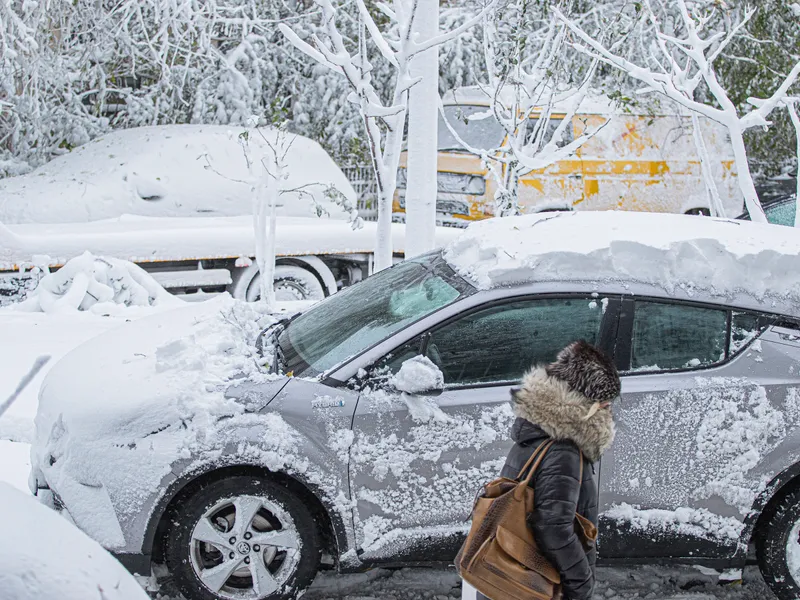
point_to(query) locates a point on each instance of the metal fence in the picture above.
(362, 178)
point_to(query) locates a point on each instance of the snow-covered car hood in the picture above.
(169, 171)
(118, 411)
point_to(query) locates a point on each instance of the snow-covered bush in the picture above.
(98, 284)
(44, 556)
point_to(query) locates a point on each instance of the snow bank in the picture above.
(118, 411)
(44, 557)
(720, 256)
(97, 284)
(167, 171)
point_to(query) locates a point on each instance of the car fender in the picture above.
(319, 419)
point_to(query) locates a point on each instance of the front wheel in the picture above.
(778, 549)
(242, 538)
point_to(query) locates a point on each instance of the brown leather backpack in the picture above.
(500, 558)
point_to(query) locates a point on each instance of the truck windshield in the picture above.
(358, 317)
(483, 133)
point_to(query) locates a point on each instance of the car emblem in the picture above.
(243, 548)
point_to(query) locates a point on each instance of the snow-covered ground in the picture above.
(29, 335)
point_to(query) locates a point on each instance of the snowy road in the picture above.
(34, 334)
(613, 584)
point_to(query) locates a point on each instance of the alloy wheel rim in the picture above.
(244, 548)
(793, 552)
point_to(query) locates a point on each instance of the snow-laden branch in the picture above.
(40, 362)
(679, 83)
(383, 122)
(791, 106)
(759, 116)
(526, 97)
(307, 48)
(448, 36)
(377, 37)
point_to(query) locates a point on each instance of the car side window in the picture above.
(499, 344)
(674, 336)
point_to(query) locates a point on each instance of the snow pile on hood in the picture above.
(97, 284)
(721, 256)
(44, 556)
(168, 171)
(118, 411)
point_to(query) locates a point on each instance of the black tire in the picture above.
(291, 283)
(702, 212)
(772, 548)
(181, 551)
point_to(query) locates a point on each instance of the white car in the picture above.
(175, 199)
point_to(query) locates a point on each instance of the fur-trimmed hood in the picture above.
(562, 413)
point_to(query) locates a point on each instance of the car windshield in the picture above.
(481, 133)
(358, 317)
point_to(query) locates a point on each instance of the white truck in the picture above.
(176, 200)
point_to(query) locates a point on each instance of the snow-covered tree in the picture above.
(422, 142)
(533, 88)
(680, 61)
(792, 107)
(383, 121)
(265, 151)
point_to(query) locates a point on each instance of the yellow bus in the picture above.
(636, 161)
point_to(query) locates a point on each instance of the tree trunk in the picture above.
(746, 184)
(266, 201)
(792, 107)
(714, 201)
(422, 135)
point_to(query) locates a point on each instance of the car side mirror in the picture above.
(418, 376)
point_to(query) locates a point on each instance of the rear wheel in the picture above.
(242, 538)
(291, 283)
(779, 549)
(703, 212)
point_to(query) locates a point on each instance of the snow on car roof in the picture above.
(166, 171)
(719, 257)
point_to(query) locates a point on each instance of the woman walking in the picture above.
(566, 402)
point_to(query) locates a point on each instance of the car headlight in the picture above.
(450, 183)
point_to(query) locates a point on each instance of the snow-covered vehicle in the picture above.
(643, 160)
(168, 443)
(177, 201)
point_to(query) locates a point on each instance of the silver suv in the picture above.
(385, 463)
